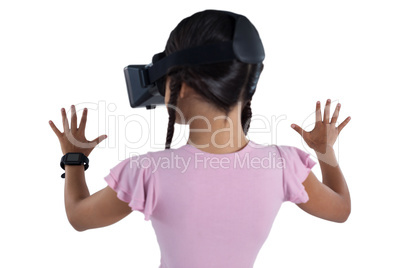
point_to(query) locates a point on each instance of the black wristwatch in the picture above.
(74, 159)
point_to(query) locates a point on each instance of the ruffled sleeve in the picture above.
(296, 167)
(133, 181)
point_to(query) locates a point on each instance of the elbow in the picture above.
(348, 211)
(78, 229)
(343, 219)
(75, 219)
(347, 208)
(345, 215)
(76, 225)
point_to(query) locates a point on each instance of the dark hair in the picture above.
(221, 84)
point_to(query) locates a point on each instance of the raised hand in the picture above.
(73, 140)
(325, 133)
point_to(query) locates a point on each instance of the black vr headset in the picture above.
(146, 83)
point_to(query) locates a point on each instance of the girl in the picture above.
(215, 204)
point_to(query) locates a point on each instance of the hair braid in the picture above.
(246, 115)
(175, 86)
(254, 72)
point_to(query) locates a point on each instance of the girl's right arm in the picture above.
(329, 199)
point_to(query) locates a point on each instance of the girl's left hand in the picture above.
(73, 140)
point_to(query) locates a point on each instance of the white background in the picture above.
(57, 53)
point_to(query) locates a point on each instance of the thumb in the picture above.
(99, 139)
(297, 128)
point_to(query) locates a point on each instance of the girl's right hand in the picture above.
(324, 134)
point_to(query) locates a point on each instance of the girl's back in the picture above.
(212, 210)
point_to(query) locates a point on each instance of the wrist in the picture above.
(324, 149)
(74, 171)
(74, 167)
(74, 162)
(327, 157)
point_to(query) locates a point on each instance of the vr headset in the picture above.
(146, 83)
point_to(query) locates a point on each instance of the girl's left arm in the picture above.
(85, 211)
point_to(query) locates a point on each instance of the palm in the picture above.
(325, 132)
(74, 140)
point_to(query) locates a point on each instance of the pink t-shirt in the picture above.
(212, 210)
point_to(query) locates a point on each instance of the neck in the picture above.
(213, 134)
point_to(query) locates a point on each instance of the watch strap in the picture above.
(82, 160)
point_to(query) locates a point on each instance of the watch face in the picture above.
(73, 157)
